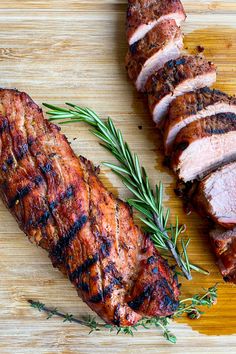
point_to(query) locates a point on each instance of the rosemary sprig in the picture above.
(189, 306)
(148, 202)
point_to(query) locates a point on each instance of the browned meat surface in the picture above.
(61, 205)
(224, 246)
(215, 196)
(192, 106)
(204, 145)
(176, 78)
(143, 15)
(160, 45)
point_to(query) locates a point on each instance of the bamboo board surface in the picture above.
(74, 50)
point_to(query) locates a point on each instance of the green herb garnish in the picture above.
(148, 202)
(189, 306)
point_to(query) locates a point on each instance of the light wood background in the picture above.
(73, 50)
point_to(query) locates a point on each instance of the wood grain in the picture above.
(74, 51)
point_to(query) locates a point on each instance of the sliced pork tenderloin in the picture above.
(177, 77)
(192, 106)
(224, 246)
(143, 15)
(215, 196)
(163, 43)
(204, 145)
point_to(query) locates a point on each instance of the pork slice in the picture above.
(192, 106)
(204, 145)
(150, 53)
(224, 245)
(177, 77)
(215, 196)
(143, 15)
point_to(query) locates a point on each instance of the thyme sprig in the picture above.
(67, 317)
(148, 202)
(93, 325)
(189, 306)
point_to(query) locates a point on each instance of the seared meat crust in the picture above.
(204, 145)
(193, 106)
(175, 78)
(62, 206)
(150, 53)
(143, 15)
(215, 196)
(224, 245)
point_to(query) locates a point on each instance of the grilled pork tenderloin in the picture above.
(193, 106)
(163, 43)
(61, 205)
(177, 77)
(143, 15)
(204, 145)
(215, 196)
(224, 246)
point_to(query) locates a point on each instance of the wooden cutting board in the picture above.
(74, 51)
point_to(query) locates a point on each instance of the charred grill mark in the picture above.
(64, 241)
(108, 289)
(4, 168)
(109, 268)
(104, 252)
(53, 154)
(38, 180)
(216, 131)
(22, 151)
(116, 317)
(164, 284)
(68, 193)
(3, 125)
(207, 90)
(182, 146)
(199, 106)
(24, 191)
(30, 141)
(65, 195)
(180, 61)
(101, 296)
(137, 302)
(9, 160)
(46, 168)
(133, 48)
(95, 299)
(19, 195)
(52, 206)
(167, 295)
(43, 219)
(151, 260)
(83, 286)
(84, 267)
(170, 64)
(155, 270)
(105, 248)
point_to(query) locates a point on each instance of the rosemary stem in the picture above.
(172, 248)
(148, 203)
